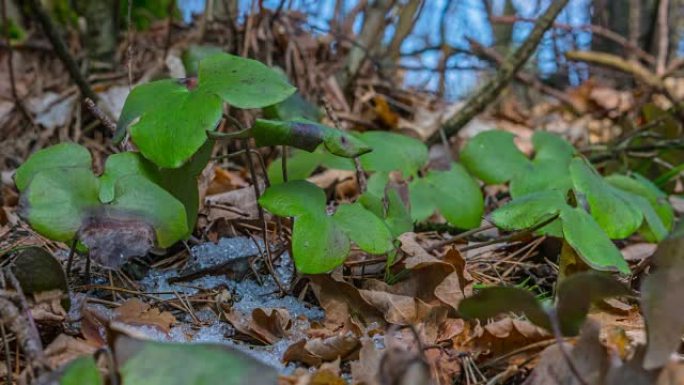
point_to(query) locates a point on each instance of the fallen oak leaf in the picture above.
(135, 312)
(314, 352)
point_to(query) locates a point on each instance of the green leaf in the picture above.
(535, 177)
(300, 165)
(590, 242)
(138, 195)
(157, 363)
(56, 201)
(81, 371)
(318, 244)
(661, 300)
(617, 216)
(192, 56)
(454, 192)
(529, 210)
(422, 196)
(492, 301)
(493, 157)
(398, 217)
(551, 147)
(307, 136)
(364, 228)
(63, 155)
(294, 198)
(110, 214)
(657, 211)
(577, 292)
(182, 182)
(241, 82)
(174, 122)
(118, 166)
(393, 152)
(293, 108)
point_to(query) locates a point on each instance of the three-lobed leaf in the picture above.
(393, 152)
(61, 202)
(321, 242)
(493, 157)
(169, 119)
(617, 215)
(454, 192)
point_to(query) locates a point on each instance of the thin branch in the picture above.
(525, 78)
(663, 37)
(485, 95)
(100, 115)
(594, 29)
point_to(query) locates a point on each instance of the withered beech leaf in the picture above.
(136, 312)
(112, 238)
(315, 351)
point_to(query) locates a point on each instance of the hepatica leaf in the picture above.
(593, 245)
(63, 155)
(307, 136)
(318, 244)
(455, 193)
(493, 157)
(657, 211)
(617, 215)
(241, 82)
(108, 213)
(174, 115)
(393, 152)
(293, 198)
(173, 120)
(364, 228)
(81, 371)
(551, 147)
(157, 363)
(56, 201)
(192, 56)
(321, 242)
(529, 210)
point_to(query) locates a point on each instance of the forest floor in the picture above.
(349, 326)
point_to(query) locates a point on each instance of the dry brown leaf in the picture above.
(48, 307)
(638, 251)
(672, 374)
(65, 349)
(365, 370)
(264, 325)
(499, 337)
(235, 204)
(315, 351)
(136, 312)
(384, 112)
(342, 302)
(397, 309)
(225, 180)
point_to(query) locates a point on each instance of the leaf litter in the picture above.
(400, 324)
